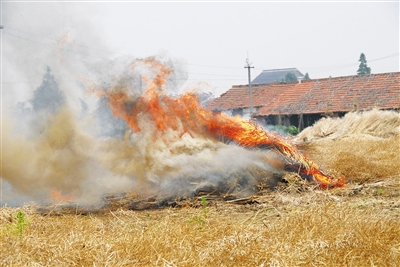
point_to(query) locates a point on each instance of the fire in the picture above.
(187, 115)
(56, 195)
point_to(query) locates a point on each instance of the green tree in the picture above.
(281, 80)
(290, 77)
(48, 96)
(306, 77)
(363, 68)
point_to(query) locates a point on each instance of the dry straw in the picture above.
(307, 229)
(375, 123)
(295, 225)
(363, 146)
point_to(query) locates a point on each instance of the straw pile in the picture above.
(372, 123)
(362, 146)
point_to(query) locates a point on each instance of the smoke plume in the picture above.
(81, 122)
(132, 139)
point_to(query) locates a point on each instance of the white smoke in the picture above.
(58, 134)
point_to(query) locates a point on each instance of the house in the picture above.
(304, 102)
(276, 75)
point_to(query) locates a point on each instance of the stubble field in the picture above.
(296, 224)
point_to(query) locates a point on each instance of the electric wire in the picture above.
(321, 69)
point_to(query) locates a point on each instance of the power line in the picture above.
(215, 74)
(82, 53)
(50, 45)
(209, 66)
(90, 48)
(324, 68)
(53, 40)
(341, 66)
(218, 79)
(26, 39)
(344, 66)
(389, 56)
(93, 48)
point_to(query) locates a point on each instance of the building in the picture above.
(276, 75)
(304, 102)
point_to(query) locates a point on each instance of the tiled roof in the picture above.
(339, 94)
(270, 76)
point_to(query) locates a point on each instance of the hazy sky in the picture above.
(212, 40)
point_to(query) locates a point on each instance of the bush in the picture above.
(291, 130)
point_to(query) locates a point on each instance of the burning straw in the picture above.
(142, 139)
(188, 116)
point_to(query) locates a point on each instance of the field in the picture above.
(296, 224)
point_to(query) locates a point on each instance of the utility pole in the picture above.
(250, 91)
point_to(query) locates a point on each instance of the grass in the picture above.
(20, 223)
(202, 219)
(16, 225)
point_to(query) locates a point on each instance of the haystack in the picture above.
(376, 123)
(362, 146)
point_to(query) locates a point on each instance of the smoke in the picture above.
(66, 133)
(100, 151)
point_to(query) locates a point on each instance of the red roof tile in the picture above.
(340, 94)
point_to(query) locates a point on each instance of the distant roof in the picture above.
(270, 76)
(339, 94)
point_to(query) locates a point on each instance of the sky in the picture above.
(209, 40)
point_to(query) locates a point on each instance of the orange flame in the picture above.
(187, 114)
(56, 194)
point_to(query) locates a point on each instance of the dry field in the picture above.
(294, 225)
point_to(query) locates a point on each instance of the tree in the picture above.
(306, 77)
(290, 77)
(363, 68)
(48, 96)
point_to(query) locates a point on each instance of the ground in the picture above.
(292, 226)
(295, 224)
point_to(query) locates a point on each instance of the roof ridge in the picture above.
(343, 93)
(281, 69)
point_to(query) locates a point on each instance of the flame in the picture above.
(187, 115)
(56, 194)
